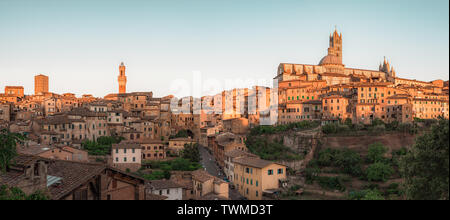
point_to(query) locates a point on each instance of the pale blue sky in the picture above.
(80, 44)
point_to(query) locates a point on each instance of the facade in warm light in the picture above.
(40, 84)
(122, 79)
(331, 91)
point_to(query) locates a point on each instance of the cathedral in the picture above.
(332, 70)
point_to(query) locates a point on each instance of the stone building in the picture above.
(40, 84)
(126, 156)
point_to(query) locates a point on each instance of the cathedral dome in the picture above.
(330, 59)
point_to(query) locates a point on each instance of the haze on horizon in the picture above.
(80, 44)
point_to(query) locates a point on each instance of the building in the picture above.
(40, 84)
(55, 152)
(227, 142)
(69, 180)
(167, 188)
(330, 91)
(254, 176)
(153, 149)
(126, 156)
(5, 112)
(14, 91)
(122, 79)
(176, 145)
(230, 156)
(206, 185)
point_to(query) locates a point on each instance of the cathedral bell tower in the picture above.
(122, 79)
(335, 48)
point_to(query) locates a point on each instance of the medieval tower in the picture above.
(122, 79)
(335, 48)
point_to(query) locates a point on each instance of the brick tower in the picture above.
(122, 79)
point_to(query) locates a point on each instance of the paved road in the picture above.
(212, 168)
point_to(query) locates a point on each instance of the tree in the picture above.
(8, 142)
(379, 172)
(425, 166)
(348, 122)
(349, 161)
(191, 152)
(376, 152)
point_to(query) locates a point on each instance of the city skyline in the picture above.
(247, 46)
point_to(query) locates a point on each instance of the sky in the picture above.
(80, 44)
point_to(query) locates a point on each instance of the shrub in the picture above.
(377, 129)
(349, 161)
(270, 150)
(373, 195)
(379, 172)
(329, 128)
(332, 183)
(368, 194)
(326, 157)
(191, 152)
(14, 193)
(393, 188)
(376, 152)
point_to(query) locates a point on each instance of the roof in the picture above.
(253, 162)
(212, 196)
(330, 59)
(85, 112)
(72, 174)
(238, 153)
(201, 175)
(162, 184)
(59, 119)
(126, 145)
(150, 141)
(34, 149)
(181, 139)
(313, 102)
(151, 196)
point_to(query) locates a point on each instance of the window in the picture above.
(256, 193)
(134, 159)
(270, 172)
(280, 171)
(117, 159)
(256, 183)
(124, 159)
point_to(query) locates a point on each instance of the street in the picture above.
(209, 163)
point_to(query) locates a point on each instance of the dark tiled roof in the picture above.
(212, 196)
(59, 119)
(73, 175)
(151, 196)
(238, 153)
(85, 112)
(126, 145)
(162, 184)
